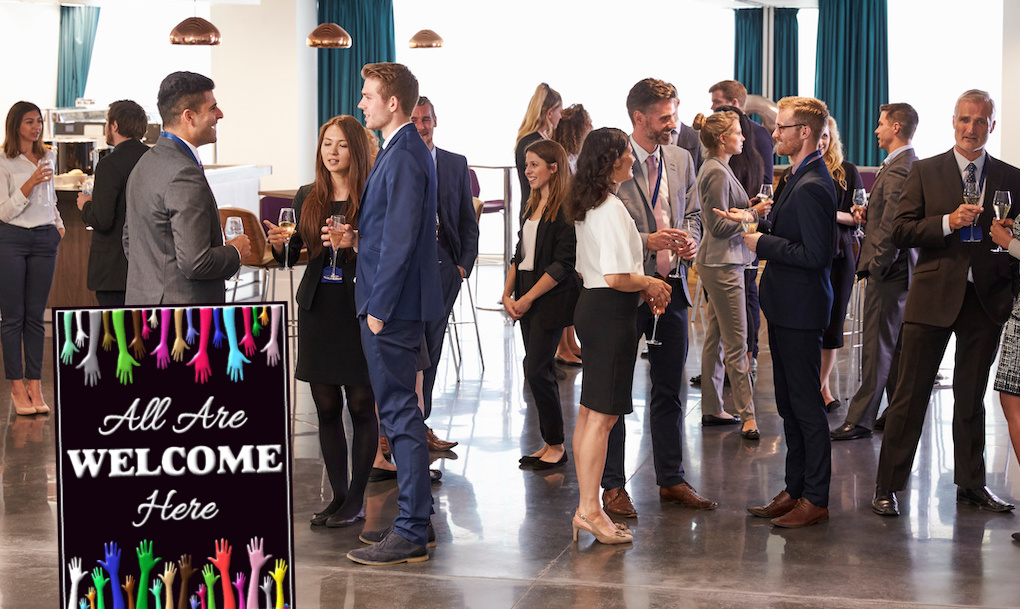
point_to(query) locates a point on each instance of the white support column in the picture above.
(768, 52)
(1008, 114)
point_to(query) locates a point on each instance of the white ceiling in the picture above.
(762, 3)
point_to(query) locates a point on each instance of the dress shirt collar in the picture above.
(895, 153)
(432, 151)
(979, 163)
(395, 132)
(639, 152)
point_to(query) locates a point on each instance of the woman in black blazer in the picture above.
(542, 288)
(544, 112)
(329, 350)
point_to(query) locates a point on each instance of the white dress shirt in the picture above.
(15, 208)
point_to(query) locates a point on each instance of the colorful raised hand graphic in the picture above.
(146, 561)
(235, 359)
(222, 563)
(201, 359)
(210, 577)
(180, 343)
(248, 342)
(256, 324)
(156, 588)
(201, 594)
(108, 339)
(169, 572)
(194, 601)
(129, 588)
(278, 574)
(267, 589)
(218, 336)
(79, 339)
(137, 346)
(111, 562)
(83, 604)
(92, 597)
(100, 583)
(74, 576)
(90, 363)
(145, 328)
(264, 317)
(125, 362)
(153, 322)
(68, 350)
(239, 586)
(256, 558)
(272, 348)
(186, 572)
(192, 332)
(162, 352)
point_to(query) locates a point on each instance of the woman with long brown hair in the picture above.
(540, 120)
(329, 338)
(541, 290)
(30, 230)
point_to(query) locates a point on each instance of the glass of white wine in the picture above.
(860, 200)
(1001, 205)
(232, 229)
(971, 196)
(336, 234)
(288, 224)
(765, 193)
(750, 220)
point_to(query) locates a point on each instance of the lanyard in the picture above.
(183, 145)
(658, 181)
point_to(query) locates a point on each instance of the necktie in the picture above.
(659, 211)
(971, 169)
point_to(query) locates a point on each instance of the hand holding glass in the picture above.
(971, 196)
(336, 235)
(860, 200)
(232, 229)
(289, 225)
(749, 222)
(1001, 205)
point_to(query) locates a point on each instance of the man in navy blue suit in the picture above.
(796, 297)
(458, 244)
(397, 293)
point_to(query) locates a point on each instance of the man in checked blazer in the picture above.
(958, 288)
(172, 235)
(887, 269)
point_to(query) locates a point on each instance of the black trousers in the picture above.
(28, 258)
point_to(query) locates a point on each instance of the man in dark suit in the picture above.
(796, 298)
(397, 293)
(887, 269)
(172, 235)
(662, 191)
(958, 288)
(104, 209)
(684, 136)
(458, 244)
(732, 93)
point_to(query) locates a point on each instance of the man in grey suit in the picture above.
(172, 236)
(887, 269)
(662, 194)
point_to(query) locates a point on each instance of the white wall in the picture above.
(1008, 123)
(31, 35)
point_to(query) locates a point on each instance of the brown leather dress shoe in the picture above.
(781, 504)
(617, 501)
(436, 444)
(685, 495)
(804, 514)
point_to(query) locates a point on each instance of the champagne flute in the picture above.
(232, 229)
(336, 234)
(750, 220)
(688, 228)
(860, 200)
(1001, 205)
(971, 196)
(652, 341)
(288, 224)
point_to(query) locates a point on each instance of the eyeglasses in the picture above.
(781, 127)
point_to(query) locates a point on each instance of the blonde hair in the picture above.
(537, 116)
(834, 155)
(808, 110)
(711, 129)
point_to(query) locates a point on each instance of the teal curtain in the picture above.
(370, 24)
(852, 71)
(785, 47)
(748, 52)
(77, 35)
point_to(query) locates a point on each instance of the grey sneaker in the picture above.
(374, 537)
(392, 550)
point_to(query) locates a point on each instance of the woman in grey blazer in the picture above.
(721, 259)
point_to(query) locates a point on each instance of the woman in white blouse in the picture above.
(609, 260)
(30, 229)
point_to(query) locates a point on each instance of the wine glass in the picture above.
(1001, 205)
(765, 193)
(652, 341)
(971, 196)
(860, 200)
(232, 229)
(688, 228)
(750, 220)
(336, 234)
(288, 224)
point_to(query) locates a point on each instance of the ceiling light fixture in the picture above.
(330, 36)
(426, 39)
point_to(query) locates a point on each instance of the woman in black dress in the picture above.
(329, 356)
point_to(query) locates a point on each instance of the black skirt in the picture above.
(605, 322)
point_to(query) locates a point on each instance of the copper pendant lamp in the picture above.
(330, 36)
(426, 39)
(195, 31)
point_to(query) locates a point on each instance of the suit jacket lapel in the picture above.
(672, 178)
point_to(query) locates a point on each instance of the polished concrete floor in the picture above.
(504, 533)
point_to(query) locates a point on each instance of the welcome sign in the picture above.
(173, 458)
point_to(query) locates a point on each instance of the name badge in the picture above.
(971, 234)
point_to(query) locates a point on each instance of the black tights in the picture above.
(329, 403)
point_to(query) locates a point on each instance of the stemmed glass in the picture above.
(1001, 205)
(860, 200)
(232, 229)
(971, 196)
(288, 224)
(675, 273)
(652, 341)
(765, 193)
(336, 234)
(750, 220)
